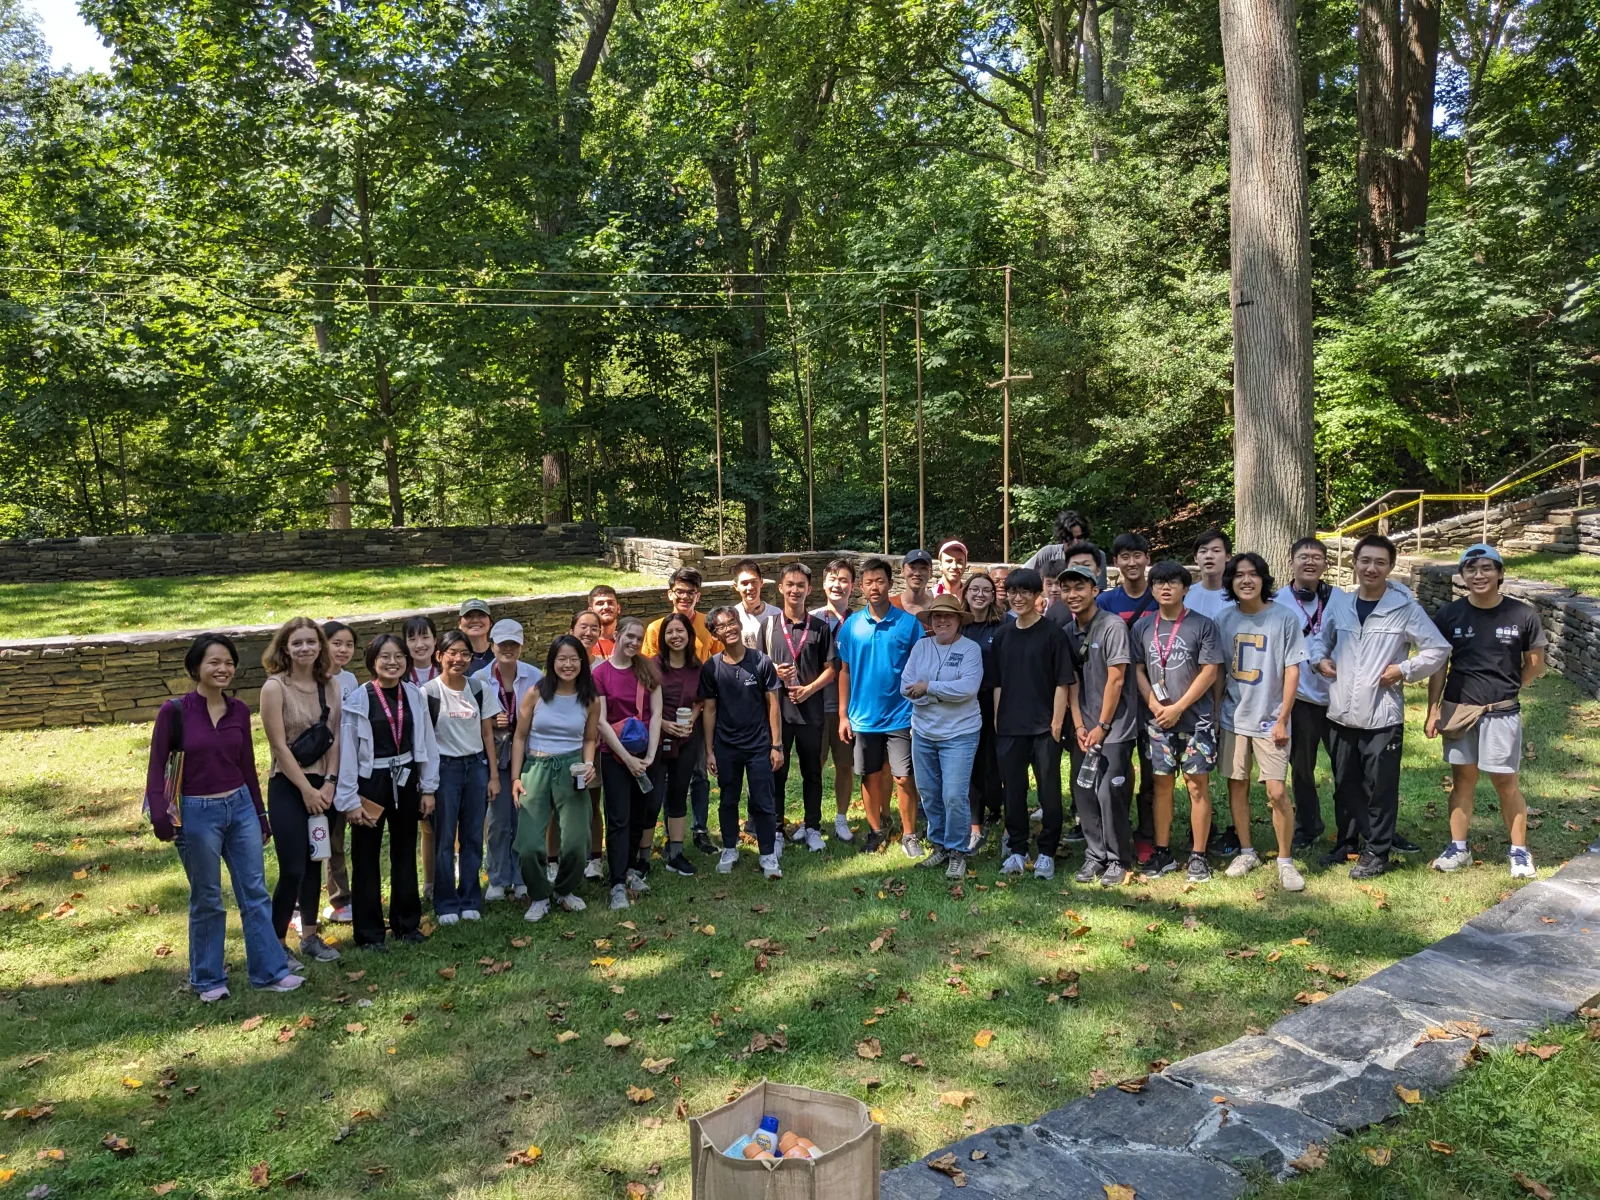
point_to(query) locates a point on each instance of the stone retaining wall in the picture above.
(141, 556)
(125, 677)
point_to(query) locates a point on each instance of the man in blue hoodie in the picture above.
(1365, 647)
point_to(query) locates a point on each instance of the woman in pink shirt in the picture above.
(630, 731)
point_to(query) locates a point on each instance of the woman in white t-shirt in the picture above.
(463, 712)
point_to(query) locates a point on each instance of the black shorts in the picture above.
(875, 749)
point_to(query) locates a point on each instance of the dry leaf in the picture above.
(982, 1038)
(1274, 955)
(957, 1099)
(130, 1083)
(259, 1174)
(447, 972)
(617, 1040)
(708, 930)
(120, 1146)
(567, 1035)
(1314, 1158)
(353, 976)
(1441, 1147)
(355, 1027)
(1378, 1156)
(1534, 1187)
(1409, 1095)
(1133, 1086)
(55, 1155)
(525, 1158)
(636, 1191)
(161, 1189)
(878, 1116)
(640, 1095)
(1300, 941)
(657, 1065)
(681, 1110)
(871, 1048)
(1118, 1191)
(945, 1164)
(1542, 1053)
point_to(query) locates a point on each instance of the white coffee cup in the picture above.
(685, 715)
(317, 831)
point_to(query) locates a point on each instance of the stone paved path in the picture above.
(1325, 1070)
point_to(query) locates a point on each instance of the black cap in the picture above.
(913, 557)
(1024, 579)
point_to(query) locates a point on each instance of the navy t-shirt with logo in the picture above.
(740, 690)
(1486, 648)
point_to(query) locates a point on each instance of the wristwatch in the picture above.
(1106, 726)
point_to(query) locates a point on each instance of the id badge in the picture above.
(402, 776)
(1158, 688)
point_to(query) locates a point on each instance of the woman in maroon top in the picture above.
(681, 747)
(219, 819)
(629, 687)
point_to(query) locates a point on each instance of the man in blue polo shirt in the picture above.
(871, 648)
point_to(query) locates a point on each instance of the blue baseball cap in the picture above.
(1481, 550)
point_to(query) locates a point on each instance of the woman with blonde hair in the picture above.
(300, 710)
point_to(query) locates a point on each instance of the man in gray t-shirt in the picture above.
(1172, 654)
(1258, 646)
(1105, 644)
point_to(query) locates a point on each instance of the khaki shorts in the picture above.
(1239, 750)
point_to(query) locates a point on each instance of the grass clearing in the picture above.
(35, 610)
(447, 1076)
(1580, 572)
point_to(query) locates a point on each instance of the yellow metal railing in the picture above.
(1364, 518)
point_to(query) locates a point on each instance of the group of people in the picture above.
(942, 697)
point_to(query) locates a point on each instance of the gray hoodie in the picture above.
(1361, 652)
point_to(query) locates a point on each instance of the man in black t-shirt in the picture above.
(800, 647)
(1496, 649)
(740, 688)
(1033, 681)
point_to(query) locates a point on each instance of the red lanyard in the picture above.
(1165, 652)
(396, 718)
(794, 651)
(419, 679)
(508, 700)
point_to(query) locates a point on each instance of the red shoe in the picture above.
(1143, 847)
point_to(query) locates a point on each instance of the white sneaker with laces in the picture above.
(813, 840)
(571, 903)
(448, 918)
(1044, 867)
(1245, 862)
(471, 914)
(726, 862)
(841, 828)
(595, 868)
(636, 881)
(287, 984)
(1013, 865)
(493, 892)
(1289, 877)
(1521, 864)
(1452, 858)
(911, 845)
(770, 866)
(537, 911)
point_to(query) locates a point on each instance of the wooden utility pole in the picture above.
(716, 390)
(1004, 384)
(811, 478)
(883, 400)
(922, 527)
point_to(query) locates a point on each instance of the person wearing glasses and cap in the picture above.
(952, 569)
(1497, 648)
(474, 623)
(915, 569)
(512, 677)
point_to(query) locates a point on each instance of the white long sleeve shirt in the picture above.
(953, 674)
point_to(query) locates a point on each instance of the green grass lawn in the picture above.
(1580, 572)
(418, 1076)
(32, 610)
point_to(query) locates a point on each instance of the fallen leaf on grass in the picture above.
(618, 1040)
(33, 1062)
(1274, 955)
(1441, 1147)
(1310, 997)
(525, 1158)
(120, 1146)
(1542, 1053)
(521, 943)
(260, 1174)
(161, 1189)
(1378, 1156)
(945, 1164)
(636, 1191)
(1133, 1086)
(1300, 941)
(681, 1110)
(53, 1155)
(447, 972)
(912, 1061)
(871, 1048)
(982, 1038)
(1409, 1095)
(957, 1099)
(1534, 1187)
(355, 1027)
(1314, 1158)
(640, 1095)
(567, 1035)
(657, 1065)
(708, 930)
(353, 976)
(131, 1083)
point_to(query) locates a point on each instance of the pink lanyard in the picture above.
(794, 652)
(1165, 652)
(396, 719)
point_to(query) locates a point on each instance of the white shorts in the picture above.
(1493, 745)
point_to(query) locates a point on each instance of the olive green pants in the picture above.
(547, 789)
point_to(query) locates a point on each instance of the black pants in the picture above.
(733, 766)
(680, 775)
(299, 879)
(700, 793)
(1366, 785)
(1308, 729)
(807, 741)
(1103, 809)
(987, 793)
(366, 863)
(629, 812)
(1147, 790)
(1016, 754)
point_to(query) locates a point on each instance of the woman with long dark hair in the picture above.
(300, 710)
(630, 727)
(552, 756)
(681, 745)
(421, 637)
(211, 810)
(986, 795)
(462, 711)
(388, 772)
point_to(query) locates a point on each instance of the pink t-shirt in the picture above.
(621, 691)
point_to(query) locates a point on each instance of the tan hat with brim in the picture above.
(944, 603)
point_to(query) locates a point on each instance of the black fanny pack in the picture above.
(317, 739)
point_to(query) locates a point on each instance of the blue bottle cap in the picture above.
(770, 1123)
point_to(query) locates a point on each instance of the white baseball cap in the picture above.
(506, 630)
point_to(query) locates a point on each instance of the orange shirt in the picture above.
(704, 644)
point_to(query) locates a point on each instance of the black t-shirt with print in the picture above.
(740, 690)
(1486, 648)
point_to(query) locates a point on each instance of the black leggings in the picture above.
(680, 773)
(987, 794)
(629, 812)
(299, 879)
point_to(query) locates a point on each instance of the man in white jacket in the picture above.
(1365, 647)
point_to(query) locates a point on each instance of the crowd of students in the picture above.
(952, 697)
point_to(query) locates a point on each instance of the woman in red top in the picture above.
(681, 747)
(219, 819)
(630, 729)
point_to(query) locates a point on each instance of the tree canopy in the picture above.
(369, 262)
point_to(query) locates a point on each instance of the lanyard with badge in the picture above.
(1163, 653)
(1313, 621)
(396, 719)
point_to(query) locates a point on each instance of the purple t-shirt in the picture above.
(621, 692)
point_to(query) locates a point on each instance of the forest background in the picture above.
(365, 262)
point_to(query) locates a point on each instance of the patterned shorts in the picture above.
(1195, 753)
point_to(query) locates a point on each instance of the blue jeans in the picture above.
(458, 812)
(944, 779)
(502, 830)
(217, 830)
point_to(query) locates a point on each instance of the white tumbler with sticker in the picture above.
(317, 831)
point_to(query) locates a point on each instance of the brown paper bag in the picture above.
(850, 1141)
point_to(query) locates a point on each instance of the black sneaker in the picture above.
(1224, 842)
(1405, 845)
(1370, 866)
(373, 947)
(414, 938)
(1199, 869)
(1337, 855)
(1161, 862)
(1089, 872)
(876, 841)
(1114, 874)
(1304, 845)
(702, 842)
(1074, 834)
(679, 865)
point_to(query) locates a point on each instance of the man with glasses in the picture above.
(743, 738)
(1497, 648)
(1307, 598)
(683, 594)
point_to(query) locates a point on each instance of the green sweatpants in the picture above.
(547, 788)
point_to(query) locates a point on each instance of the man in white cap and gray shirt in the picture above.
(512, 678)
(1497, 648)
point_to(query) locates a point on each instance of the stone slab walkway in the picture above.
(1322, 1071)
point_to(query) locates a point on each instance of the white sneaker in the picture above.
(448, 918)
(1521, 864)
(1044, 867)
(287, 984)
(1452, 858)
(770, 867)
(470, 914)
(841, 828)
(521, 892)
(813, 840)
(729, 857)
(492, 893)
(339, 916)
(777, 844)
(550, 870)
(1245, 862)
(571, 903)
(635, 881)
(1036, 815)
(595, 869)
(1013, 865)
(537, 911)
(1289, 877)
(619, 896)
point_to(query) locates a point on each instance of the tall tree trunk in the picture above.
(1378, 128)
(381, 382)
(1274, 471)
(1094, 79)
(1420, 69)
(1121, 42)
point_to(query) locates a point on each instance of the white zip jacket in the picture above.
(1361, 652)
(355, 745)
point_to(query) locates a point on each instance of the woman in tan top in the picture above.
(300, 668)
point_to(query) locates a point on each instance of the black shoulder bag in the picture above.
(317, 739)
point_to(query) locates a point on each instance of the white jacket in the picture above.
(1361, 652)
(356, 752)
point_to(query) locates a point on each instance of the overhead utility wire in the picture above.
(601, 274)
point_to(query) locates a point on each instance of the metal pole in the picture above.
(883, 388)
(922, 529)
(716, 388)
(1485, 536)
(811, 500)
(1583, 459)
(1005, 437)
(1419, 524)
